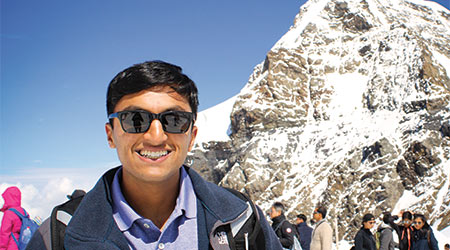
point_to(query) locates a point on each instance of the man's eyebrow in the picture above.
(132, 108)
(137, 108)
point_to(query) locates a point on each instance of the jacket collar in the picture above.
(217, 201)
(224, 205)
(93, 219)
(277, 220)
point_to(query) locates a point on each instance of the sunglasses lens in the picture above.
(135, 121)
(176, 121)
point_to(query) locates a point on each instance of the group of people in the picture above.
(153, 200)
(414, 233)
(319, 238)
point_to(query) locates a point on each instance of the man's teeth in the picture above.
(152, 154)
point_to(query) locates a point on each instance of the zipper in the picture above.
(246, 241)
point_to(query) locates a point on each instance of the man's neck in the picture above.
(155, 202)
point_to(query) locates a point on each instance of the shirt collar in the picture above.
(125, 216)
(187, 200)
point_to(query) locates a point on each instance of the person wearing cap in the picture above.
(304, 231)
(364, 239)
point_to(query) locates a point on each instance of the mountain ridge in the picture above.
(350, 109)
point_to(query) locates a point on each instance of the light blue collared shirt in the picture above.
(180, 230)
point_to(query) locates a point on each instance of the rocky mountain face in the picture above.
(350, 109)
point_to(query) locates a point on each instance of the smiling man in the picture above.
(153, 201)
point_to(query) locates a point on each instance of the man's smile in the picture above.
(153, 155)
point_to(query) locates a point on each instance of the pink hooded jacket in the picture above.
(10, 222)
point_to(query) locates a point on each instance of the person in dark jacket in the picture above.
(283, 228)
(364, 239)
(304, 231)
(405, 230)
(154, 201)
(423, 236)
(386, 234)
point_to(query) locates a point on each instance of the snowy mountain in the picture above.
(350, 109)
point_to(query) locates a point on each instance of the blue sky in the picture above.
(57, 58)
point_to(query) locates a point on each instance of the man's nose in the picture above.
(155, 134)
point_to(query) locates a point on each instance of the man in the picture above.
(322, 235)
(304, 231)
(386, 233)
(153, 201)
(283, 229)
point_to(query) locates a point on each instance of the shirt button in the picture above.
(160, 246)
(146, 226)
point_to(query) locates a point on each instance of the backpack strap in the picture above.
(59, 219)
(21, 217)
(279, 225)
(255, 237)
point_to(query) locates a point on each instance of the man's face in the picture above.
(168, 150)
(274, 213)
(317, 216)
(298, 221)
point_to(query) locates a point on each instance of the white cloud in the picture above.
(42, 189)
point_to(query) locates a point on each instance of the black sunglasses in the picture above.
(139, 121)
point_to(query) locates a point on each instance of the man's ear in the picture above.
(109, 135)
(193, 135)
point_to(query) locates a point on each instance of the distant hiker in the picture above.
(11, 223)
(322, 235)
(364, 239)
(154, 201)
(447, 246)
(423, 236)
(386, 236)
(51, 232)
(283, 228)
(304, 231)
(405, 231)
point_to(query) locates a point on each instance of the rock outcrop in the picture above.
(350, 109)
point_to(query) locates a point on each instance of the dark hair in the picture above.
(279, 207)
(322, 210)
(386, 217)
(367, 217)
(447, 245)
(302, 217)
(147, 75)
(407, 215)
(422, 217)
